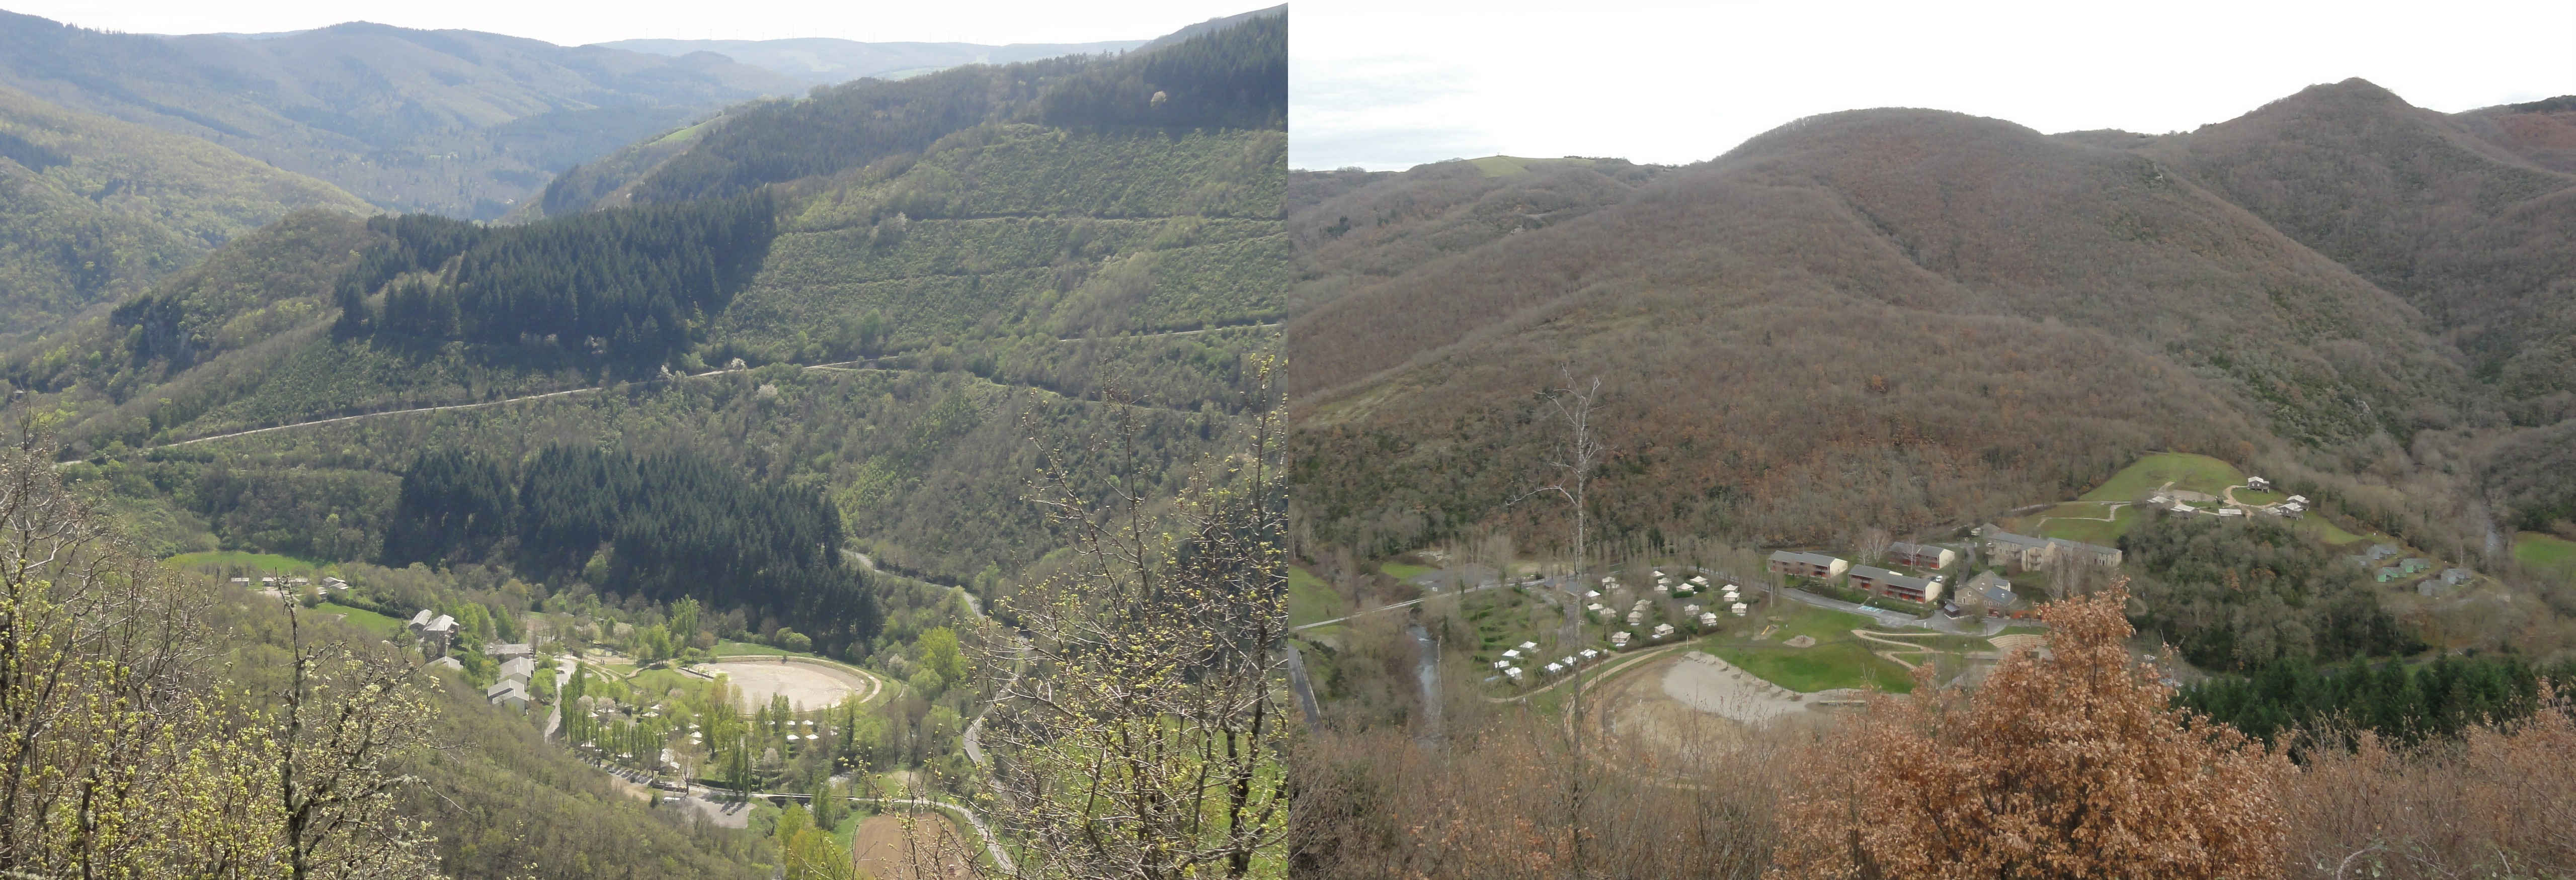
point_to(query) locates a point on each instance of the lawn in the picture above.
(1503, 620)
(1403, 572)
(1847, 663)
(365, 619)
(729, 646)
(2545, 552)
(2249, 496)
(2326, 531)
(2195, 473)
(1310, 599)
(2091, 531)
(1837, 660)
(268, 562)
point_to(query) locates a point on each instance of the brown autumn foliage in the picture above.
(1507, 801)
(2065, 765)
(2460, 215)
(1902, 317)
(2498, 802)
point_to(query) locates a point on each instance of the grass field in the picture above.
(2195, 473)
(1310, 599)
(368, 620)
(2545, 552)
(1401, 571)
(268, 562)
(1837, 660)
(2324, 530)
(729, 646)
(2088, 529)
(2249, 496)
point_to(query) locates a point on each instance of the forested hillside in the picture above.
(992, 281)
(823, 61)
(452, 122)
(93, 210)
(1894, 317)
(2479, 238)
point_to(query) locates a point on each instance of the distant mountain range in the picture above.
(455, 122)
(817, 61)
(94, 210)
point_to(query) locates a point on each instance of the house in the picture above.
(2381, 551)
(513, 694)
(1620, 639)
(521, 668)
(1663, 631)
(448, 663)
(2025, 552)
(440, 630)
(1738, 608)
(2413, 564)
(1555, 669)
(2258, 484)
(2387, 574)
(332, 583)
(1987, 590)
(1887, 583)
(2298, 499)
(1708, 618)
(1920, 555)
(1813, 565)
(510, 651)
(1636, 618)
(2457, 576)
(1590, 655)
(2018, 551)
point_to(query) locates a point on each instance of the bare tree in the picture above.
(1577, 456)
(1874, 542)
(1138, 726)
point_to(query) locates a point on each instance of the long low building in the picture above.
(1892, 584)
(1921, 555)
(2026, 552)
(1814, 565)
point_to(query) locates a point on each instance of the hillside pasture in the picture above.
(2186, 471)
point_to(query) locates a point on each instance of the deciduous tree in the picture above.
(2066, 763)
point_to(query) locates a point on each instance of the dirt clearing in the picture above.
(806, 685)
(934, 851)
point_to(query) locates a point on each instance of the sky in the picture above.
(578, 22)
(1388, 85)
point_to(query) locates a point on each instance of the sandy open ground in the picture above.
(806, 685)
(1703, 682)
(1686, 717)
(883, 853)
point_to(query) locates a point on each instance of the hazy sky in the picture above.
(1388, 85)
(590, 21)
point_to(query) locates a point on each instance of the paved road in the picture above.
(840, 366)
(1427, 580)
(1170, 333)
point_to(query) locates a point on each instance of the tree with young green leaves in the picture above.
(1137, 729)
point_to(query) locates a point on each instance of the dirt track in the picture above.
(807, 685)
